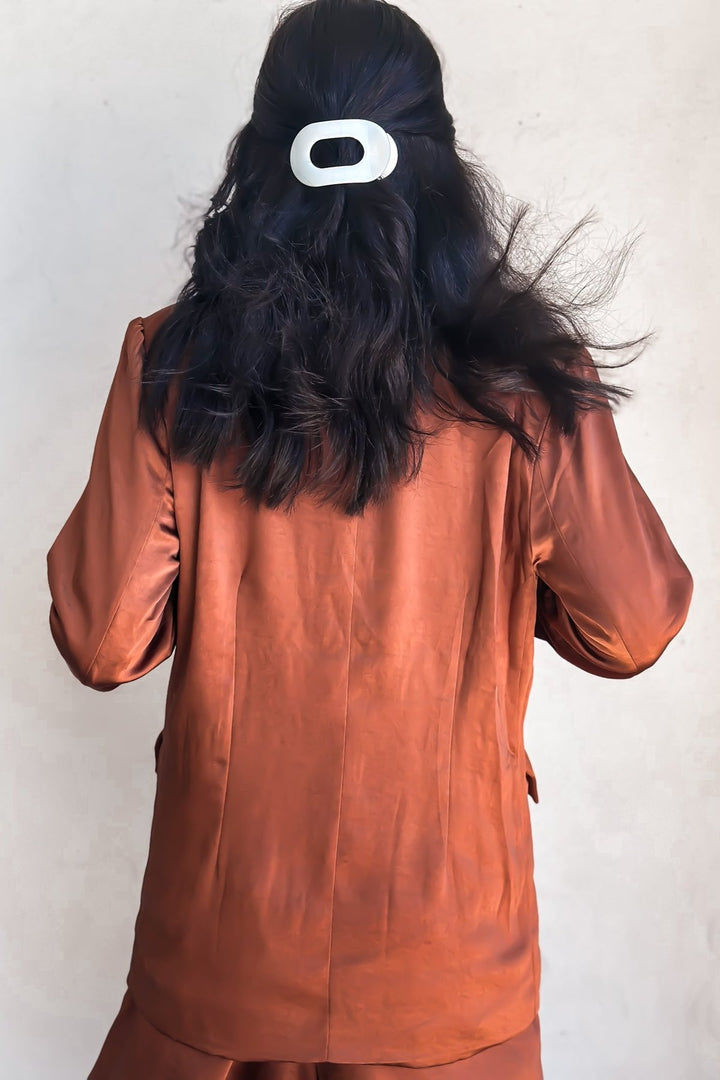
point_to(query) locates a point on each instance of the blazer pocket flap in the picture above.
(158, 744)
(531, 779)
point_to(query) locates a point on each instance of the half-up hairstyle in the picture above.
(316, 320)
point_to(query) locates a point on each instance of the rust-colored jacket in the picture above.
(340, 863)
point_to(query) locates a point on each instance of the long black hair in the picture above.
(316, 321)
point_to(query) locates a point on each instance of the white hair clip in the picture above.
(378, 161)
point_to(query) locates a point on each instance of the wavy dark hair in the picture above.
(314, 320)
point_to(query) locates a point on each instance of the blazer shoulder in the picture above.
(150, 323)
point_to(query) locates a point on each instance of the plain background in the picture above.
(115, 123)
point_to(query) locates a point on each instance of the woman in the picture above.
(348, 477)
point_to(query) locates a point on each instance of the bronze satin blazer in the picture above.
(340, 864)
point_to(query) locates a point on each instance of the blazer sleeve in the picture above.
(612, 590)
(112, 568)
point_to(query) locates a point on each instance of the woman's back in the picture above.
(340, 864)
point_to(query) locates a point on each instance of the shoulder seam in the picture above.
(531, 489)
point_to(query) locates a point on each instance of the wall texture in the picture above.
(115, 120)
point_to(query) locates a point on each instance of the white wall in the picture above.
(114, 116)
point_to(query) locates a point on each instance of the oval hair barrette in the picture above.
(378, 161)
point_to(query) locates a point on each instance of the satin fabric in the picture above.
(134, 1048)
(340, 865)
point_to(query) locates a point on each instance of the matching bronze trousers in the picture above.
(135, 1050)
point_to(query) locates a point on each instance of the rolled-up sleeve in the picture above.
(612, 590)
(113, 566)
